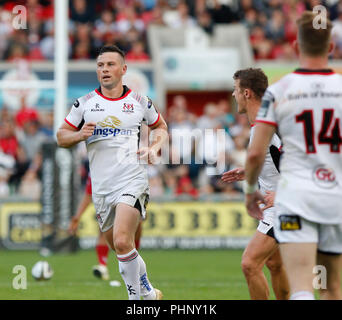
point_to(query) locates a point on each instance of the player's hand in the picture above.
(73, 225)
(237, 174)
(148, 155)
(252, 202)
(269, 200)
(87, 130)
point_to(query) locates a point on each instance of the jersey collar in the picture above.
(125, 93)
(322, 72)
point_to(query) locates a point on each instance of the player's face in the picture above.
(239, 97)
(110, 69)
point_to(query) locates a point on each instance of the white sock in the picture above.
(129, 268)
(302, 295)
(146, 288)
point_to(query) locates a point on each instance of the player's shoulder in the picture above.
(143, 100)
(281, 85)
(327, 74)
(81, 101)
(337, 76)
(299, 77)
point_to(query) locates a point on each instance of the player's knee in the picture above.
(122, 244)
(274, 265)
(248, 265)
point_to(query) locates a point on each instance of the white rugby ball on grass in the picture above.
(42, 271)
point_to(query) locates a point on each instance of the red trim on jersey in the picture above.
(252, 125)
(319, 73)
(70, 124)
(113, 99)
(267, 122)
(155, 122)
(323, 72)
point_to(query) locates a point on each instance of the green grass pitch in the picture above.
(180, 274)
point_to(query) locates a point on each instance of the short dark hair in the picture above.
(253, 79)
(111, 48)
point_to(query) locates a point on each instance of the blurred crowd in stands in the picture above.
(92, 24)
(22, 135)
(201, 148)
(206, 146)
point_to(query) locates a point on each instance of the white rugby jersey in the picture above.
(269, 174)
(306, 106)
(113, 146)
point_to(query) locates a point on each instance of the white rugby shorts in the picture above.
(135, 195)
(266, 224)
(292, 228)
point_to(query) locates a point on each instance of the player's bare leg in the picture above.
(253, 261)
(299, 260)
(109, 238)
(121, 239)
(138, 236)
(262, 250)
(333, 267)
(125, 225)
(132, 267)
(279, 280)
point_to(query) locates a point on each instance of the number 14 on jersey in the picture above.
(329, 133)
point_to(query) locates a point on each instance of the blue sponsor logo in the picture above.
(111, 132)
(144, 282)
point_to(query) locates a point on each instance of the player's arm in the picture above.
(159, 133)
(86, 200)
(68, 136)
(254, 163)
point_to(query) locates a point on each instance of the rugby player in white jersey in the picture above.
(249, 87)
(109, 119)
(306, 109)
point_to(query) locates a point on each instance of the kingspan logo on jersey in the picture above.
(109, 128)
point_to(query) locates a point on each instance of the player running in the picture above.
(109, 120)
(101, 248)
(306, 108)
(249, 87)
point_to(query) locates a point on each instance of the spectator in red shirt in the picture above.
(8, 141)
(137, 53)
(185, 185)
(25, 114)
